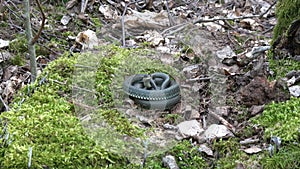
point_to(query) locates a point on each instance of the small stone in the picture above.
(190, 113)
(204, 148)
(217, 131)
(291, 81)
(252, 150)
(4, 43)
(191, 71)
(254, 110)
(190, 128)
(222, 111)
(170, 127)
(170, 162)
(145, 120)
(65, 20)
(226, 52)
(295, 90)
(292, 74)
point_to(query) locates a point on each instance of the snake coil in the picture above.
(155, 91)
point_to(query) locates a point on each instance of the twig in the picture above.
(261, 15)
(232, 41)
(229, 25)
(12, 11)
(61, 83)
(111, 2)
(83, 5)
(123, 24)
(204, 122)
(199, 79)
(171, 20)
(84, 105)
(145, 153)
(42, 26)
(268, 30)
(84, 89)
(249, 141)
(178, 26)
(201, 20)
(5, 105)
(223, 121)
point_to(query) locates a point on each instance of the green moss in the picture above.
(281, 67)
(17, 60)
(288, 157)
(286, 12)
(44, 121)
(18, 45)
(97, 22)
(281, 120)
(186, 156)
(229, 155)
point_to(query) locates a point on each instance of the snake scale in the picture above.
(155, 91)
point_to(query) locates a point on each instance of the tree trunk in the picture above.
(286, 39)
(31, 48)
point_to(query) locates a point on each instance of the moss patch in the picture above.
(281, 120)
(43, 120)
(281, 67)
(287, 157)
(230, 156)
(286, 12)
(186, 156)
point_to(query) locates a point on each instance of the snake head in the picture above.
(147, 81)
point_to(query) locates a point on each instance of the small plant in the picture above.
(172, 118)
(17, 60)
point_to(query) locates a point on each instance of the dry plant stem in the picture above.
(31, 49)
(42, 25)
(84, 89)
(83, 105)
(199, 79)
(223, 121)
(83, 5)
(249, 141)
(111, 2)
(58, 82)
(5, 105)
(261, 15)
(171, 20)
(231, 40)
(122, 21)
(12, 11)
(1, 5)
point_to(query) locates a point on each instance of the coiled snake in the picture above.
(155, 91)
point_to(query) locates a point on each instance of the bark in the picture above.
(31, 48)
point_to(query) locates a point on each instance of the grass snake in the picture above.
(154, 91)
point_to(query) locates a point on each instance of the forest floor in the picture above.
(221, 51)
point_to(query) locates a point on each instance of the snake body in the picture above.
(155, 91)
